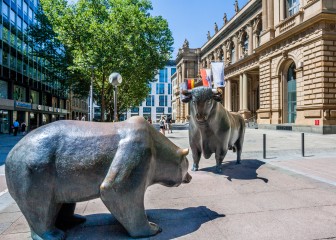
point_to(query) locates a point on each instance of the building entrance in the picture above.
(291, 94)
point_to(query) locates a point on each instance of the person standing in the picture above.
(83, 118)
(169, 125)
(16, 125)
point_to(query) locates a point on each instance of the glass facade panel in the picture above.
(172, 71)
(148, 101)
(19, 4)
(160, 88)
(163, 75)
(147, 110)
(34, 97)
(169, 88)
(19, 23)
(25, 8)
(161, 100)
(19, 93)
(5, 10)
(160, 110)
(3, 89)
(12, 16)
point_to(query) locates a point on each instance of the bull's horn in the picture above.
(183, 152)
(186, 91)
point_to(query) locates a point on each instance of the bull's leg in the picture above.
(66, 218)
(239, 147)
(219, 159)
(196, 154)
(127, 206)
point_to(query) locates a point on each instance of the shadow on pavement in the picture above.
(247, 170)
(174, 223)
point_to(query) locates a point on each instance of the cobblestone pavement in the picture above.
(285, 196)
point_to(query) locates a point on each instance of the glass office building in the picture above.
(25, 94)
(159, 100)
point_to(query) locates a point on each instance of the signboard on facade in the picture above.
(23, 105)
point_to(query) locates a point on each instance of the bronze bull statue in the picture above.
(66, 162)
(212, 129)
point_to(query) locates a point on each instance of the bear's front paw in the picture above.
(55, 234)
(155, 229)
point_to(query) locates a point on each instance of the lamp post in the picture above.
(91, 95)
(115, 79)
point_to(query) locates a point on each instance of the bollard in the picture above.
(264, 146)
(302, 145)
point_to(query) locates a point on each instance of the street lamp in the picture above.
(91, 95)
(115, 79)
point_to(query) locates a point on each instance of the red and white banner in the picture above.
(206, 77)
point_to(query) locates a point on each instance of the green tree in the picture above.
(114, 36)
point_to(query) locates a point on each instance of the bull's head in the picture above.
(202, 99)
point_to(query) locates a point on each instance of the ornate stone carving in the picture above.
(216, 28)
(236, 6)
(186, 44)
(225, 19)
(208, 35)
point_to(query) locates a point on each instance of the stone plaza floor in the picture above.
(285, 196)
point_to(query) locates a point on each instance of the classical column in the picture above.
(245, 91)
(270, 14)
(264, 15)
(228, 95)
(241, 92)
(250, 47)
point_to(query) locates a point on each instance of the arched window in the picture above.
(292, 7)
(245, 44)
(291, 93)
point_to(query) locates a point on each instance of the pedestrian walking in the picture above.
(16, 125)
(83, 118)
(162, 125)
(23, 128)
(169, 125)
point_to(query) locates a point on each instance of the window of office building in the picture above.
(149, 101)
(30, 14)
(3, 89)
(162, 100)
(160, 88)
(25, 8)
(5, 34)
(5, 10)
(5, 58)
(169, 110)
(12, 62)
(24, 27)
(19, 93)
(19, 23)
(35, 3)
(172, 71)
(12, 16)
(169, 88)
(19, 4)
(163, 75)
(292, 7)
(147, 110)
(34, 97)
(160, 110)
(135, 110)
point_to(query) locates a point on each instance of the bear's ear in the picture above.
(183, 152)
(124, 162)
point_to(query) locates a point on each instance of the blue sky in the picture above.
(192, 19)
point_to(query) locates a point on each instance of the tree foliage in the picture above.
(113, 36)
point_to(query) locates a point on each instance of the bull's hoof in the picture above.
(153, 230)
(194, 168)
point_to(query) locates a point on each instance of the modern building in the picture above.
(280, 68)
(25, 94)
(159, 100)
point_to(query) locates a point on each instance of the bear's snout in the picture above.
(187, 178)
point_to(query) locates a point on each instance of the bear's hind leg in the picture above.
(66, 218)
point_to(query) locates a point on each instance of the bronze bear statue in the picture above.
(65, 162)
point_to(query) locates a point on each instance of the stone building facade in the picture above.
(280, 67)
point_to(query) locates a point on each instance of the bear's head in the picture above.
(172, 169)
